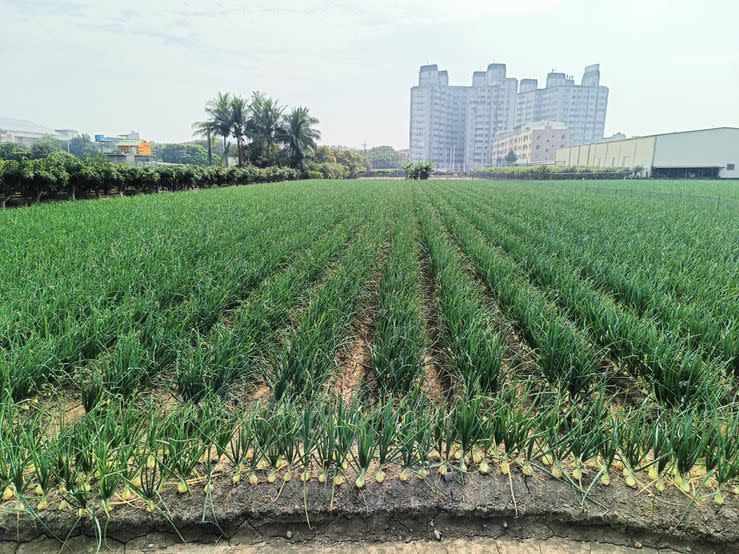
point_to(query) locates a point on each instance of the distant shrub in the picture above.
(537, 172)
(420, 170)
(62, 173)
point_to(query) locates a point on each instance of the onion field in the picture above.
(347, 333)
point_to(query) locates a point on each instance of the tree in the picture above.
(511, 157)
(385, 157)
(420, 170)
(82, 146)
(44, 146)
(352, 161)
(39, 176)
(300, 136)
(7, 188)
(12, 151)
(239, 120)
(264, 128)
(219, 121)
(14, 173)
(193, 154)
(206, 129)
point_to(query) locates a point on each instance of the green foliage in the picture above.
(62, 173)
(335, 163)
(46, 146)
(300, 136)
(571, 326)
(419, 170)
(385, 157)
(82, 146)
(537, 172)
(12, 151)
(188, 154)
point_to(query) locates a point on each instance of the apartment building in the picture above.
(455, 126)
(534, 143)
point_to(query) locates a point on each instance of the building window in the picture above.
(730, 167)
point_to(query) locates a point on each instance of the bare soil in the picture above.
(351, 373)
(436, 383)
(415, 510)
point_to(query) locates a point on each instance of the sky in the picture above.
(150, 65)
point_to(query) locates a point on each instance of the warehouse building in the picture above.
(20, 131)
(704, 153)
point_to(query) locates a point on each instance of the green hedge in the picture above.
(383, 173)
(557, 172)
(63, 174)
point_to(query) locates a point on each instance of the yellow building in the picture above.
(534, 143)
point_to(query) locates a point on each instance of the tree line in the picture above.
(62, 175)
(264, 133)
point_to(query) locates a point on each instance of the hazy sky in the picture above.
(150, 65)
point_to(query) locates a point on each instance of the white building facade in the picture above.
(703, 153)
(455, 126)
(20, 131)
(532, 143)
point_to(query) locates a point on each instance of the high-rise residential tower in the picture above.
(454, 126)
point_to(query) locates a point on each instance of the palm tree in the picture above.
(206, 129)
(264, 126)
(239, 119)
(219, 114)
(300, 136)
